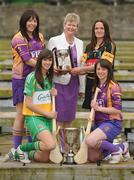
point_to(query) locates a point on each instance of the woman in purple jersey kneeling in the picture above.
(108, 117)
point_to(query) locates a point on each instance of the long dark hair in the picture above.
(22, 24)
(44, 54)
(107, 37)
(105, 64)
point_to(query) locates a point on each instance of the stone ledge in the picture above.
(120, 75)
(128, 93)
(51, 171)
(7, 119)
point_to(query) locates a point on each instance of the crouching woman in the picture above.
(38, 110)
(108, 116)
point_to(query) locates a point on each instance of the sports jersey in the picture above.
(41, 97)
(22, 51)
(93, 55)
(110, 96)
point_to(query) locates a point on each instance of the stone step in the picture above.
(4, 58)
(124, 59)
(6, 65)
(6, 75)
(124, 75)
(128, 93)
(120, 53)
(5, 92)
(124, 43)
(4, 55)
(7, 119)
(124, 66)
(50, 171)
(120, 76)
(6, 105)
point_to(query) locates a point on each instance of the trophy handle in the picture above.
(54, 51)
(71, 59)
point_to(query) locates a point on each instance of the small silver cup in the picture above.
(72, 139)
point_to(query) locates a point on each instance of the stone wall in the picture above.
(119, 18)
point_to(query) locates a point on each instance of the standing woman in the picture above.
(26, 45)
(101, 46)
(68, 85)
(100, 41)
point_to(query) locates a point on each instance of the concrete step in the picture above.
(120, 75)
(7, 119)
(6, 105)
(124, 66)
(124, 59)
(6, 75)
(124, 43)
(6, 92)
(6, 65)
(89, 171)
(124, 75)
(5, 89)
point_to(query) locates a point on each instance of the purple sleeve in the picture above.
(116, 97)
(21, 46)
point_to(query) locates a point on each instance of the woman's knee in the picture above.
(91, 141)
(48, 146)
(94, 155)
(42, 156)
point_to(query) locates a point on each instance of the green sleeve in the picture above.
(29, 84)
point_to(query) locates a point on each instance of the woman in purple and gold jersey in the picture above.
(26, 45)
(108, 115)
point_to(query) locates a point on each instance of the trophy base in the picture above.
(69, 159)
(68, 163)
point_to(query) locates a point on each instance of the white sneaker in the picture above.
(116, 157)
(125, 153)
(107, 158)
(23, 156)
(10, 156)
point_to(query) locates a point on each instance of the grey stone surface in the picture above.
(120, 18)
(34, 171)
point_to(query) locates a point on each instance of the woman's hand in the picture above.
(81, 95)
(56, 72)
(59, 72)
(54, 92)
(52, 115)
(75, 71)
(95, 105)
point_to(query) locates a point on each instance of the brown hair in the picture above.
(107, 37)
(44, 54)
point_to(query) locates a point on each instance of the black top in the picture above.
(96, 54)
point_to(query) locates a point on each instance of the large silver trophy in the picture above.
(72, 139)
(62, 59)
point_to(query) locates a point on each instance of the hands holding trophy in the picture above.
(62, 60)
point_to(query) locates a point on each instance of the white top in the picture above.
(60, 43)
